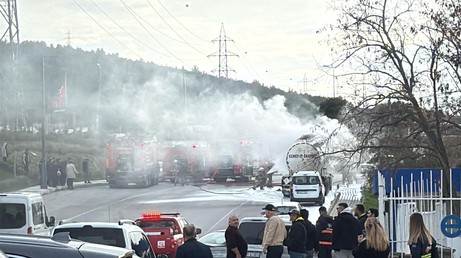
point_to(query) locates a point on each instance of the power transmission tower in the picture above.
(305, 88)
(13, 111)
(222, 54)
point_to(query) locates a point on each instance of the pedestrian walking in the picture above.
(86, 170)
(297, 237)
(236, 245)
(359, 213)
(421, 242)
(191, 247)
(346, 229)
(374, 242)
(71, 172)
(324, 226)
(312, 241)
(274, 233)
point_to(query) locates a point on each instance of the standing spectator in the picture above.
(71, 174)
(421, 242)
(191, 247)
(312, 242)
(62, 170)
(345, 232)
(86, 170)
(5, 153)
(274, 233)
(374, 243)
(49, 171)
(40, 169)
(235, 243)
(297, 237)
(54, 172)
(26, 161)
(324, 228)
(359, 213)
(372, 212)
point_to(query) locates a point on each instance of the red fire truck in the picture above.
(189, 157)
(129, 160)
(232, 159)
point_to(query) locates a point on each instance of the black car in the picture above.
(252, 229)
(60, 245)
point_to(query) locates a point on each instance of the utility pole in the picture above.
(222, 54)
(305, 86)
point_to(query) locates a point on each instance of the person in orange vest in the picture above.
(325, 233)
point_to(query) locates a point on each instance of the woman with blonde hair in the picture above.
(374, 241)
(422, 244)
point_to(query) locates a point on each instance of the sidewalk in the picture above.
(80, 184)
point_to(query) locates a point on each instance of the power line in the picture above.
(133, 13)
(181, 23)
(177, 34)
(127, 32)
(102, 27)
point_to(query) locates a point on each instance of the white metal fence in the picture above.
(420, 192)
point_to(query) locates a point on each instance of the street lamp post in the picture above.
(43, 176)
(99, 99)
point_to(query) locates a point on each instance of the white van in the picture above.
(307, 186)
(24, 213)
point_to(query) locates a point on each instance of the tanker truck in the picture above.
(304, 155)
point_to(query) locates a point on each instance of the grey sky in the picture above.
(276, 41)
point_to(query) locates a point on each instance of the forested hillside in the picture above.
(135, 96)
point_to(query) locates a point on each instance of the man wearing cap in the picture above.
(274, 233)
(297, 237)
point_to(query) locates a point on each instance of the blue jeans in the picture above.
(297, 255)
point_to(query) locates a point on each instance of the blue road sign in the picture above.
(451, 226)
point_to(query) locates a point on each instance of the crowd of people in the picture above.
(61, 173)
(353, 233)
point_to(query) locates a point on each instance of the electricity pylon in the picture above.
(222, 54)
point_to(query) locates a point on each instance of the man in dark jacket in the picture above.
(312, 243)
(191, 247)
(325, 233)
(235, 243)
(359, 213)
(297, 237)
(345, 231)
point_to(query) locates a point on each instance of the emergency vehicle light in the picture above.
(151, 215)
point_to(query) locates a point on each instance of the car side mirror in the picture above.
(51, 222)
(198, 231)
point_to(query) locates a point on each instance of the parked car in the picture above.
(61, 245)
(124, 234)
(24, 213)
(217, 243)
(252, 229)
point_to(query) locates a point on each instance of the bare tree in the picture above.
(405, 55)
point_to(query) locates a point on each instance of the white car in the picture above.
(124, 234)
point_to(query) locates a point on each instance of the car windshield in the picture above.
(156, 224)
(213, 238)
(283, 210)
(305, 180)
(105, 236)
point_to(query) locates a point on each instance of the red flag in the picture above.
(61, 100)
